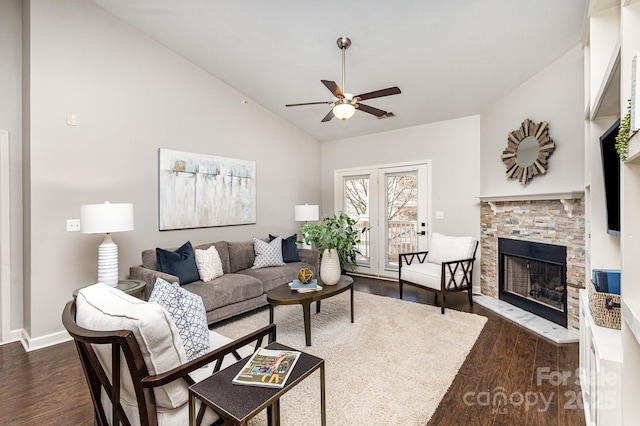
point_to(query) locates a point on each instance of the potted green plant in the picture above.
(622, 140)
(337, 239)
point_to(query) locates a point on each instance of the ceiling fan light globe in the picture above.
(344, 111)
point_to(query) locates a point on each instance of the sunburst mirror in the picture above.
(528, 151)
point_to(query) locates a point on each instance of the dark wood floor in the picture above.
(534, 378)
(510, 377)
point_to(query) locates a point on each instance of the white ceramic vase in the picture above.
(330, 267)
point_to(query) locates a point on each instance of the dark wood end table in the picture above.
(283, 295)
(239, 403)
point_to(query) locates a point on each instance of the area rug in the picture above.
(392, 366)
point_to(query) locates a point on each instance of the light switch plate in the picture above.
(440, 215)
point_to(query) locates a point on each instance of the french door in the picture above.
(393, 202)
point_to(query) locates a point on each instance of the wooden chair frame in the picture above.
(446, 285)
(124, 341)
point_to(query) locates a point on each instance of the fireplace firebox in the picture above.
(533, 276)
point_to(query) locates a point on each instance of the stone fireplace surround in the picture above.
(546, 218)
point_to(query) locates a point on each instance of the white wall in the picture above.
(453, 147)
(11, 120)
(131, 97)
(554, 95)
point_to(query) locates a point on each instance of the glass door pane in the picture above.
(356, 205)
(401, 213)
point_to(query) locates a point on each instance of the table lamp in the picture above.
(305, 213)
(105, 219)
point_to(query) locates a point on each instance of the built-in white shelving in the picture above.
(631, 316)
(611, 39)
(606, 102)
(600, 368)
(634, 150)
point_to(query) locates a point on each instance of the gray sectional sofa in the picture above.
(240, 289)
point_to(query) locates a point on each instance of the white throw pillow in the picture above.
(104, 308)
(209, 264)
(445, 249)
(188, 313)
(267, 254)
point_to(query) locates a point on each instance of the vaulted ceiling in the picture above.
(450, 58)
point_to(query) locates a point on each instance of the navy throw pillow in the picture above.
(180, 263)
(289, 248)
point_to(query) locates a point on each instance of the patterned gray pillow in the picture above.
(267, 254)
(188, 313)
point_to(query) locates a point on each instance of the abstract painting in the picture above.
(198, 190)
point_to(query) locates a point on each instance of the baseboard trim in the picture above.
(14, 336)
(31, 344)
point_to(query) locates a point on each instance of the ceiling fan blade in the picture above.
(333, 88)
(379, 93)
(327, 117)
(309, 103)
(371, 110)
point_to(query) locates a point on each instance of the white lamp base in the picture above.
(108, 262)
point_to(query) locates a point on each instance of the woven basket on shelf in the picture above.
(604, 307)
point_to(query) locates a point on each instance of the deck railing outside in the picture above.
(402, 238)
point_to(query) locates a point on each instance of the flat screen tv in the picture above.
(611, 174)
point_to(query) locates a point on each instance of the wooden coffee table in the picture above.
(283, 295)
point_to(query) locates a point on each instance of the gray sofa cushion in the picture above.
(225, 290)
(241, 255)
(275, 276)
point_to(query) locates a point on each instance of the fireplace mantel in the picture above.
(568, 195)
(564, 197)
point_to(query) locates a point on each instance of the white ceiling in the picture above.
(450, 58)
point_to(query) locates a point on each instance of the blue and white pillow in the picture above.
(267, 254)
(188, 313)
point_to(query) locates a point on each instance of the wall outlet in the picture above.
(73, 225)
(439, 215)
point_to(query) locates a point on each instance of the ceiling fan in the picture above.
(346, 104)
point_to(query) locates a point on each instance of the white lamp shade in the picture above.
(106, 218)
(343, 111)
(305, 213)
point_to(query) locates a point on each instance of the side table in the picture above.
(132, 287)
(239, 403)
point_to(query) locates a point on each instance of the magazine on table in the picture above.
(267, 367)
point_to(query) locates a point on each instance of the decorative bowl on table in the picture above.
(305, 275)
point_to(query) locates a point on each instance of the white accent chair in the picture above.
(447, 266)
(146, 382)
